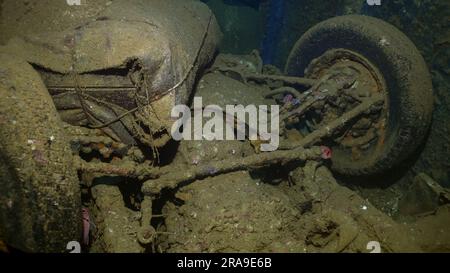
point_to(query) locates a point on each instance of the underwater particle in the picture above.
(374, 2)
(32, 142)
(195, 160)
(384, 42)
(250, 229)
(320, 97)
(211, 170)
(9, 203)
(364, 207)
(52, 138)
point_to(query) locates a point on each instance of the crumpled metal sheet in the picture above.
(158, 40)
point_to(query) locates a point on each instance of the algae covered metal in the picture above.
(119, 66)
(86, 96)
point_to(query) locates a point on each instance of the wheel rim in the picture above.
(364, 138)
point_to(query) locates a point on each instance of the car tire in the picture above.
(40, 200)
(408, 85)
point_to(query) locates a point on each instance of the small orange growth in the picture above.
(356, 153)
(100, 146)
(116, 159)
(381, 134)
(3, 247)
